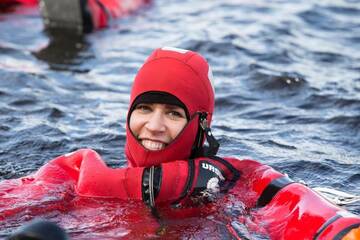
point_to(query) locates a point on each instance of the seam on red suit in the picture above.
(126, 183)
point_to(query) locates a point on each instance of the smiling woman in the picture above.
(182, 80)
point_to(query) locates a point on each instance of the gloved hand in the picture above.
(198, 180)
(98, 180)
(211, 176)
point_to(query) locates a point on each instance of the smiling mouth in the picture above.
(152, 145)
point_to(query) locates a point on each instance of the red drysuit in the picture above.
(283, 209)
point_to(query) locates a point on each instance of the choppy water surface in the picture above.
(287, 79)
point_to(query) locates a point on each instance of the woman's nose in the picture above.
(155, 122)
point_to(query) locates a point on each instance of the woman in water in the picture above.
(169, 117)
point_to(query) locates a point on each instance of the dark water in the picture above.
(287, 79)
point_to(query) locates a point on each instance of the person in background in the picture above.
(172, 159)
(82, 16)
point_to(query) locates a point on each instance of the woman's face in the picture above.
(156, 125)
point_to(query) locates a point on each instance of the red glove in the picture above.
(200, 179)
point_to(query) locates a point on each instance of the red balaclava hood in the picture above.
(185, 75)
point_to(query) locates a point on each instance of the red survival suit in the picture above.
(181, 174)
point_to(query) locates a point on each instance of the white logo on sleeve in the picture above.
(215, 170)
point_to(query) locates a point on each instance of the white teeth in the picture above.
(152, 145)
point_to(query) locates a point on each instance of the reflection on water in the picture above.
(65, 49)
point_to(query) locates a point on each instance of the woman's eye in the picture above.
(143, 108)
(175, 114)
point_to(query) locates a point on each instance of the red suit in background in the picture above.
(83, 15)
(185, 174)
(102, 11)
(27, 2)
